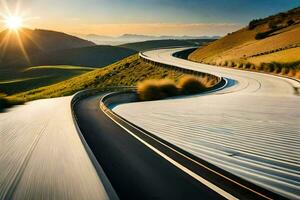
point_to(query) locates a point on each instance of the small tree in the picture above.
(254, 23)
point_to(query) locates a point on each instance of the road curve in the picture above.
(250, 129)
(42, 156)
(134, 170)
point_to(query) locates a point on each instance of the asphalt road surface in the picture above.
(251, 128)
(134, 170)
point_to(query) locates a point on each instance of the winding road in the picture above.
(241, 142)
(251, 128)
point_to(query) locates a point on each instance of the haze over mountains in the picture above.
(132, 38)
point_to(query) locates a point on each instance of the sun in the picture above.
(13, 22)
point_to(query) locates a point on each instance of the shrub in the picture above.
(225, 63)
(232, 64)
(247, 66)
(168, 87)
(254, 23)
(285, 71)
(262, 35)
(191, 85)
(240, 65)
(156, 89)
(290, 22)
(149, 90)
(252, 67)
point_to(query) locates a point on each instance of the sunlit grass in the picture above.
(65, 67)
(35, 77)
(285, 56)
(126, 72)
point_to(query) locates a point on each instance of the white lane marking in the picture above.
(178, 165)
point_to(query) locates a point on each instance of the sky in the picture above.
(148, 17)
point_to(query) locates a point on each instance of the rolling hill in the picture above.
(153, 44)
(271, 44)
(38, 76)
(51, 67)
(22, 51)
(27, 42)
(126, 72)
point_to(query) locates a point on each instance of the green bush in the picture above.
(262, 35)
(191, 85)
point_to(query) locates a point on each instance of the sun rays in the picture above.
(14, 21)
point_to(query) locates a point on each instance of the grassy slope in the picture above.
(95, 56)
(141, 46)
(126, 72)
(242, 47)
(285, 56)
(39, 76)
(13, 80)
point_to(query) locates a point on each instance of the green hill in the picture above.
(18, 75)
(39, 76)
(50, 70)
(126, 72)
(153, 44)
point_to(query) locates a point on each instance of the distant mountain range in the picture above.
(129, 38)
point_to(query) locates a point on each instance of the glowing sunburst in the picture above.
(13, 22)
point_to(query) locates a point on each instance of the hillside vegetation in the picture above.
(271, 45)
(155, 89)
(38, 76)
(127, 72)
